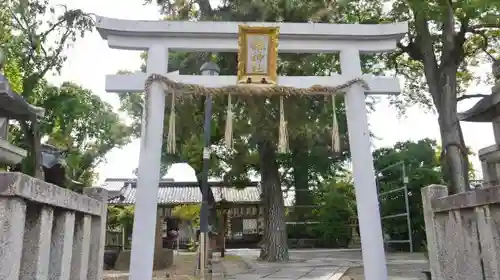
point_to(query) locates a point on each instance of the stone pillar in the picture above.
(143, 236)
(12, 219)
(158, 234)
(81, 246)
(97, 234)
(489, 174)
(62, 245)
(37, 242)
(375, 267)
(496, 129)
(428, 194)
(163, 258)
(494, 170)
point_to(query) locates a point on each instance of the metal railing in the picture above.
(403, 189)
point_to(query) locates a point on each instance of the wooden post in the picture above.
(202, 256)
(223, 234)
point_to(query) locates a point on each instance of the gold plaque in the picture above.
(257, 55)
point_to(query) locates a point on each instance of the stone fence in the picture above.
(47, 232)
(463, 233)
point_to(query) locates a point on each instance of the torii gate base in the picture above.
(157, 37)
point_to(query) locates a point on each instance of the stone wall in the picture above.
(463, 236)
(48, 232)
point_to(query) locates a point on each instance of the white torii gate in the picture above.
(158, 37)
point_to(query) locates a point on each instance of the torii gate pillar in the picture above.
(146, 205)
(367, 202)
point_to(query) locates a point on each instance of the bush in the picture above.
(189, 212)
(334, 215)
(397, 228)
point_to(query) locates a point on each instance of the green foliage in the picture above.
(120, 216)
(422, 169)
(75, 120)
(191, 214)
(37, 41)
(446, 40)
(335, 213)
(309, 118)
(476, 28)
(12, 72)
(11, 67)
(329, 222)
(79, 122)
(188, 212)
(85, 126)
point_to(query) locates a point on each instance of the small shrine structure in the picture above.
(488, 110)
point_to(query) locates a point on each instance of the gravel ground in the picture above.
(396, 272)
(183, 269)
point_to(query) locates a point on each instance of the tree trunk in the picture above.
(300, 163)
(454, 155)
(274, 246)
(442, 82)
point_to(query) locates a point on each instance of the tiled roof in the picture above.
(113, 185)
(189, 194)
(185, 193)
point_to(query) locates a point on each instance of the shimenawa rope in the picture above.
(173, 86)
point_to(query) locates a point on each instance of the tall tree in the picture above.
(79, 122)
(446, 40)
(76, 120)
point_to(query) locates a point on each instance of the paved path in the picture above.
(292, 273)
(319, 264)
(303, 265)
(292, 270)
